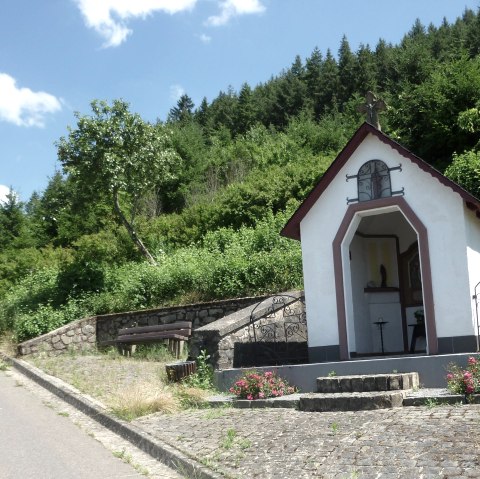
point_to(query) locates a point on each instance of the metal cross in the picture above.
(371, 108)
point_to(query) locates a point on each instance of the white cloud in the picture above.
(232, 8)
(176, 91)
(205, 38)
(4, 190)
(22, 106)
(109, 17)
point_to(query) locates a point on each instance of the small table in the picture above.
(380, 323)
(418, 332)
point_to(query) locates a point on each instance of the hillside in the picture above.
(207, 190)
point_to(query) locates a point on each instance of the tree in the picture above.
(346, 71)
(329, 82)
(465, 170)
(117, 153)
(365, 70)
(313, 67)
(12, 219)
(246, 109)
(183, 112)
(433, 118)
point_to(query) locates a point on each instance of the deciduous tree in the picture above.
(114, 151)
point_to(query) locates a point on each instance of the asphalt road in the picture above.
(38, 443)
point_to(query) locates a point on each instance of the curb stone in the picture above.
(162, 452)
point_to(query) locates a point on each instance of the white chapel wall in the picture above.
(438, 207)
(472, 224)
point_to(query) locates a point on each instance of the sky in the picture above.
(56, 56)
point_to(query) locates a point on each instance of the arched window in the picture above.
(373, 181)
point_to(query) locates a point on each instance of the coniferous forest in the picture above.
(190, 208)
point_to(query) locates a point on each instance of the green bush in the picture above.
(227, 263)
(47, 318)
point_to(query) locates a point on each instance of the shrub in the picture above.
(46, 318)
(203, 377)
(464, 381)
(261, 386)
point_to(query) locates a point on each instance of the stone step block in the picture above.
(367, 383)
(316, 402)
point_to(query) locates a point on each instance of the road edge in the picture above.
(160, 451)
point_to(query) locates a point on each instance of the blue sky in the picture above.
(58, 55)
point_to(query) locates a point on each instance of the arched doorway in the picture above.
(371, 285)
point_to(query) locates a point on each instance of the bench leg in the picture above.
(180, 347)
(174, 347)
(126, 349)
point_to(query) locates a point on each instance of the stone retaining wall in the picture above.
(78, 335)
(225, 339)
(87, 333)
(200, 314)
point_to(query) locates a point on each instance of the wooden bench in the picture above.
(175, 334)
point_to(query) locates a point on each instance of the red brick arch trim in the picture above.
(424, 250)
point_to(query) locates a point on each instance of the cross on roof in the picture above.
(372, 107)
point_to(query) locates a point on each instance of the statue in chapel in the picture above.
(383, 275)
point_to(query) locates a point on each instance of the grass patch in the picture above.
(7, 344)
(142, 399)
(130, 387)
(191, 397)
(229, 439)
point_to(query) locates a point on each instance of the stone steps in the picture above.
(318, 402)
(367, 383)
(359, 392)
(344, 393)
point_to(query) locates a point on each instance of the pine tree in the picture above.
(313, 72)
(246, 109)
(346, 71)
(365, 71)
(12, 219)
(183, 112)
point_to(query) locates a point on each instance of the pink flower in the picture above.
(469, 389)
(249, 397)
(472, 360)
(449, 376)
(467, 375)
(261, 395)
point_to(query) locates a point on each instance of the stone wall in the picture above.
(87, 333)
(228, 339)
(77, 335)
(201, 314)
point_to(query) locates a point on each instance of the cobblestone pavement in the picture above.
(410, 442)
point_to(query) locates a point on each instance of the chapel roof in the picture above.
(292, 228)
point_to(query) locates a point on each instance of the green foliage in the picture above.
(11, 220)
(203, 377)
(465, 170)
(47, 318)
(115, 152)
(84, 272)
(464, 380)
(427, 115)
(209, 191)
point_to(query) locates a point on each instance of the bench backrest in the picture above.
(184, 326)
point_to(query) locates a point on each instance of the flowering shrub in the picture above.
(464, 381)
(255, 385)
